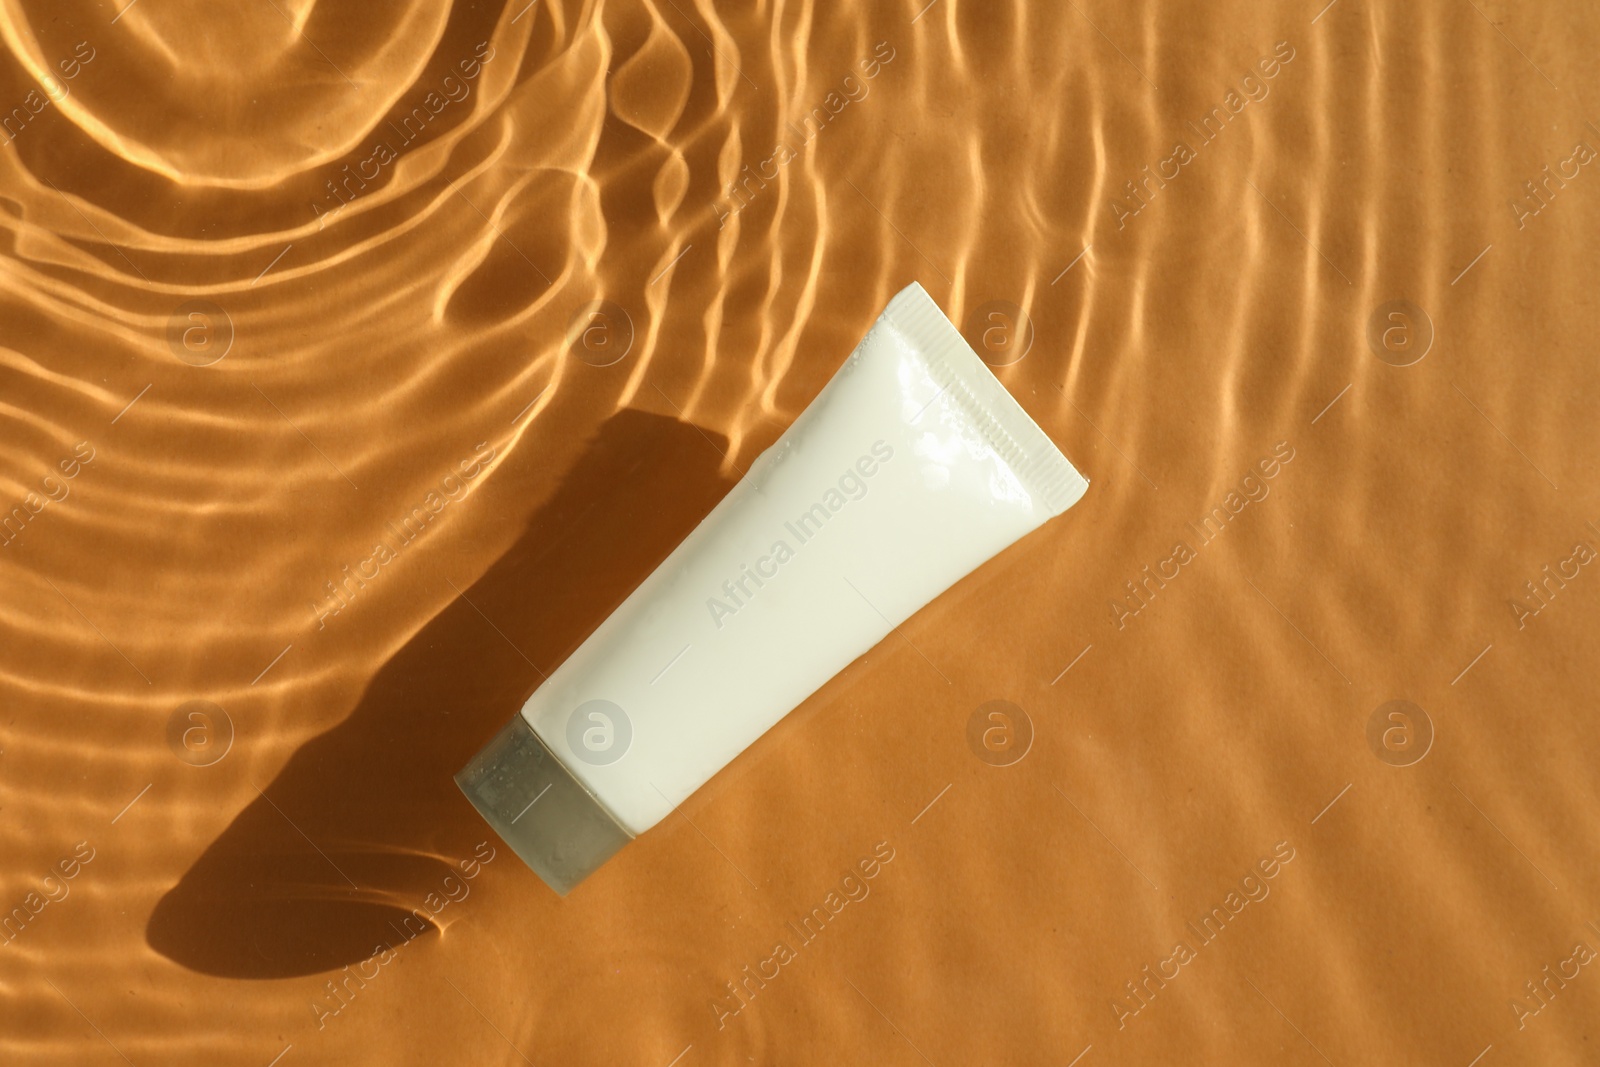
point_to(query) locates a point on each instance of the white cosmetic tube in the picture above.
(911, 468)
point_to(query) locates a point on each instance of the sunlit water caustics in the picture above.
(356, 360)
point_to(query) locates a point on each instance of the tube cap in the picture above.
(539, 809)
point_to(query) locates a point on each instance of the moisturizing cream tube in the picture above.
(911, 468)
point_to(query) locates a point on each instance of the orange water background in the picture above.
(252, 365)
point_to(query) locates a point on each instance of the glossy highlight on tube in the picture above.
(910, 469)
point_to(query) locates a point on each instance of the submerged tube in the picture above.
(911, 468)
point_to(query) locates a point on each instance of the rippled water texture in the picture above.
(356, 359)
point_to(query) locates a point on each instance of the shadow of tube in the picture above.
(364, 821)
